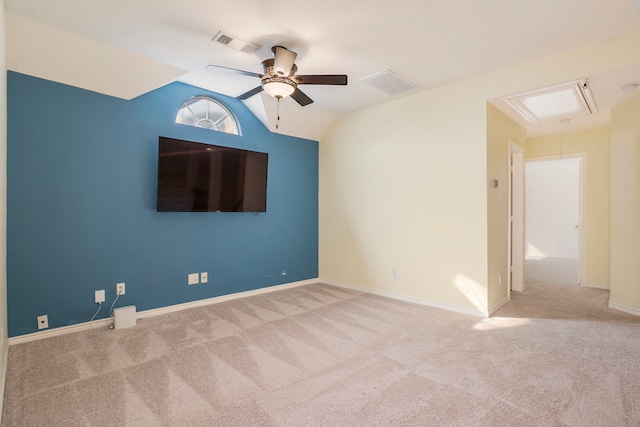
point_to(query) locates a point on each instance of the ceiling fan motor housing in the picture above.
(267, 68)
(279, 79)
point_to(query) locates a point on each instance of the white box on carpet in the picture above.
(124, 317)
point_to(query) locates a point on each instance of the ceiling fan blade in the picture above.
(301, 98)
(249, 94)
(284, 59)
(246, 73)
(322, 79)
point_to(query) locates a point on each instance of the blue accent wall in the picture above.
(81, 200)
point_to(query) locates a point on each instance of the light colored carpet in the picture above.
(324, 356)
(552, 270)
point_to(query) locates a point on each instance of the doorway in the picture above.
(515, 276)
(555, 249)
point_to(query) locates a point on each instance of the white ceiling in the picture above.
(428, 42)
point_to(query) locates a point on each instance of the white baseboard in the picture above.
(63, 330)
(597, 286)
(221, 298)
(624, 309)
(154, 312)
(3, 377)
(392, 295)
(500, 304)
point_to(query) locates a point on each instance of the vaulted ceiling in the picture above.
(125, 48)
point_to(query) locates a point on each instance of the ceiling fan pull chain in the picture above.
(278, 112)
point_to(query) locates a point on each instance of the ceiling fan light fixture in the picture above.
(278, 87)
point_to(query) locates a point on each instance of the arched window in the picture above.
(203, 112)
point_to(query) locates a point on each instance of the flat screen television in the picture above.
(196, 177)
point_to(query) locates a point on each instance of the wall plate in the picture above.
(192, 279)
(99, 296)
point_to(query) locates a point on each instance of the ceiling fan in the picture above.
(279, 77)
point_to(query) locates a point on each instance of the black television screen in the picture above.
(196, 177)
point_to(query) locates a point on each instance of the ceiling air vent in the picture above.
(560, 102)
(235, 43)
(389, 82)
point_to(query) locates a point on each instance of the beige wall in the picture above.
(3, 206)
(500, 130)
(625, 207)
(596, 145)
(404, 184)
(44, 51)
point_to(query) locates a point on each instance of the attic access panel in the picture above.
(559, 102)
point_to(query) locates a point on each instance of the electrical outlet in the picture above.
(499, 279)
(99, 297)
(192, 279)
(394, 273)
(120, 288)
(204, 277)
(43, 322)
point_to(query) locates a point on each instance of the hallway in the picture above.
(550, 270)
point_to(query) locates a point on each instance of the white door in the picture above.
(554, 208)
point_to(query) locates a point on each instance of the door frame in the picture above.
(582, 207)
(516, 200)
